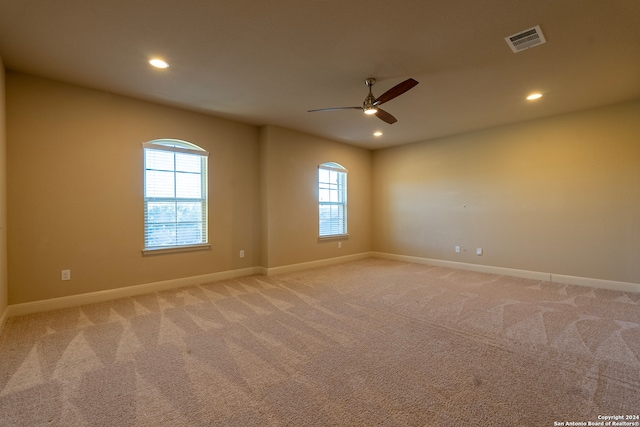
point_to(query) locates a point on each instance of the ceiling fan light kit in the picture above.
(371, 103)
(368, 106)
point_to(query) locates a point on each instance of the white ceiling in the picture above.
(268, 62)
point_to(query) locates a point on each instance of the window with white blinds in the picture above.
(175, 194)
(332, 199)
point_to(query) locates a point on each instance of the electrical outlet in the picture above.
(65, 275)
(457, 249)
(478, 251)
(339, 245)
(242, 253)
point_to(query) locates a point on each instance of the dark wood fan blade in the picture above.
(383, 115)
(397, 90)
(335, 108)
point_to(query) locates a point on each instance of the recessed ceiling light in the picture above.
(158, 63)
(534, 96)
(377, 133)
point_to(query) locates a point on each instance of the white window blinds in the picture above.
(332, 199)
(175, 194)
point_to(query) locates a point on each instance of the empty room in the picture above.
(320, 213)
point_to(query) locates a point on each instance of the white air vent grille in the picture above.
(526, 39)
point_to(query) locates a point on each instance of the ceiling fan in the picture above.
(371, 103)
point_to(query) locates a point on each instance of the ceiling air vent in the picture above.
(526, 39)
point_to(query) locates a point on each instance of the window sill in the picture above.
(332, 238)
(176, 249)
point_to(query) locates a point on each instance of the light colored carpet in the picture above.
(365, 343)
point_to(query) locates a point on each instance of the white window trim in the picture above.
(176, 249)
(337, 168)
(194, 151)
(156, 145)
(333, 237)
(331, 168)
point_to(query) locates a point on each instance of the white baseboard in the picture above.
(527, 274)
(536, 275)
(596, 283)
(313, 264)
(100, 296)
(3, 319)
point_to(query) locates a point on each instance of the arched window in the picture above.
(175, 194)
(332, 200)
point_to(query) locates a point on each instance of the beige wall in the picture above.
(558, 195)
(289, 194)
(75, 190)
(3, 199)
